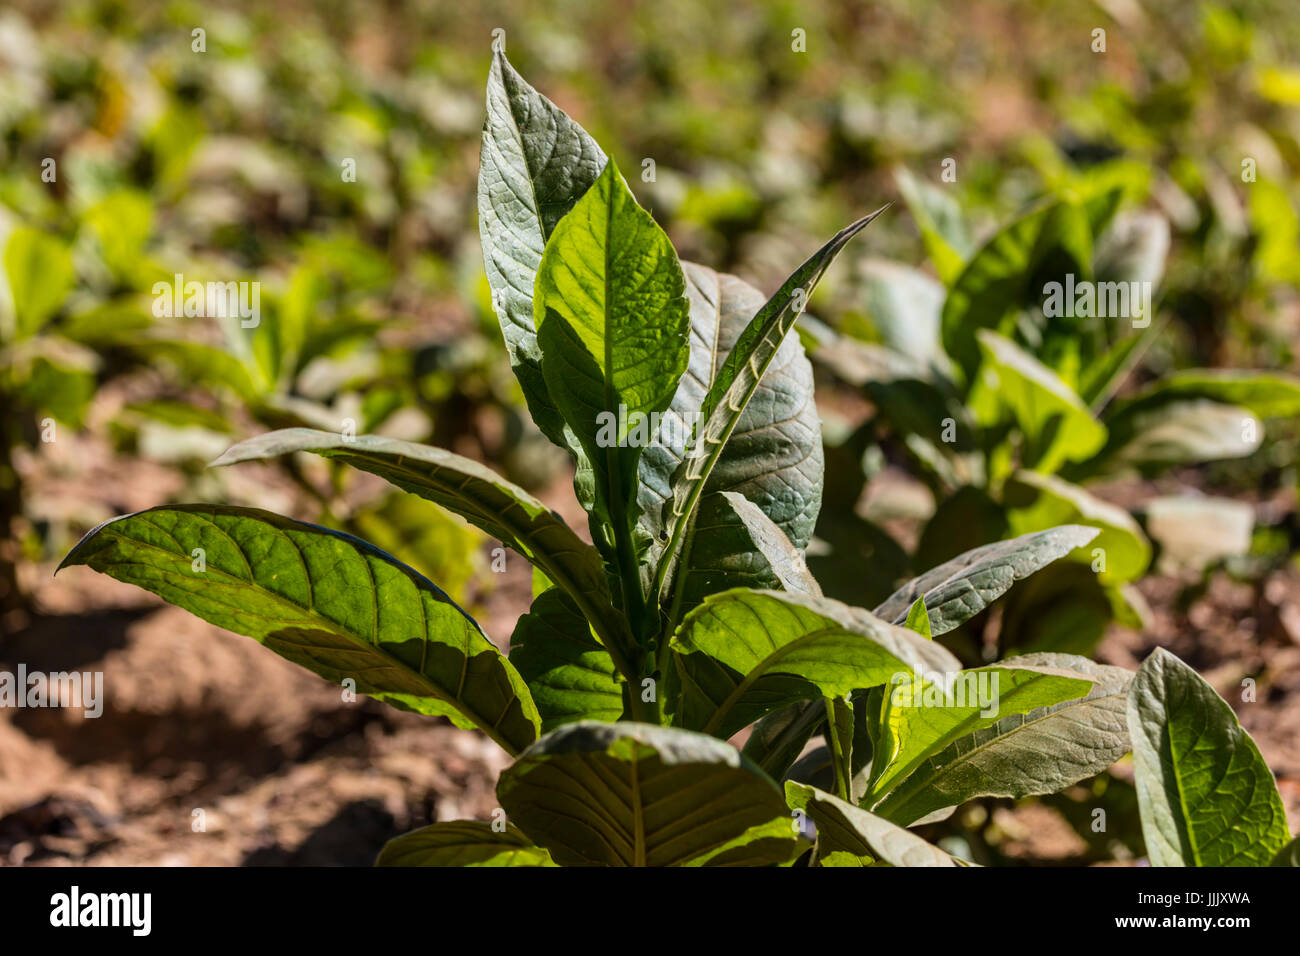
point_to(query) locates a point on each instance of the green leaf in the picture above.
(53, 376)
(735, 384)
(441, 546)
(632, 794)
(918, 619)
(1037, 502)
(774, 843)
(122, 222)
(325, 600)
(570, 674)
(1063, 608)
(1102, 377)
(844, 828)
(1185, 431)
(943, 230)
(743, 653)
(535, 164)
(1206, 796)
(462, 843)
(1289, 855)
(39, 267)
(1013, 385)
(959, 589)
(779, 738)
(1133, 249)
(905, 305)
(769, 549)
(1042, 751)
(614, 326)
(999, 279)
(489, 502)
(1266, 394)
(917, 725)
(204, 363)
(774, 458)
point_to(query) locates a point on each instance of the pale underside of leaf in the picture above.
(631, 794)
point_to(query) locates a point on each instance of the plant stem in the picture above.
(842, 782)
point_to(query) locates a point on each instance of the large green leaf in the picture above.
(325, 600)
(1206, 796)
(570, 674)
(959, 589)
(40, 273)
(916, 726)
(463, 843)
(999, 278)
(535, 164)
(1012, 385)
(774, 457)
(844, 828)
(1042, 751)
(1037, 502)
(743, 653)
(477, 494)
(772, 843)
(614, 327)
(632, 794)
(734, 385)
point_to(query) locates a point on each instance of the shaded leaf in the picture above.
(632, 794)
(774, 457)
(462, 843)
(569, 673)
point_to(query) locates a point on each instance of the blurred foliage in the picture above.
(227, 163)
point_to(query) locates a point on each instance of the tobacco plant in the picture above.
(691, 618)
(999, 384)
